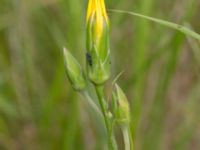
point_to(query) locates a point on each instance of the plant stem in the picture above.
(128, 142)
(100, 95)
(130, 138)
(126, 138)
(92, 103)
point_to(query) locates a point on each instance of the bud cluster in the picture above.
(98, 68)
(97, 58)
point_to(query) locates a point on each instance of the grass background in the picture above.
(40, 111)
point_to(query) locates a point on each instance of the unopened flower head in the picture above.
(97, 42)
(123, 110)
(74, 71)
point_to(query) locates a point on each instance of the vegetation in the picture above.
(156, 66)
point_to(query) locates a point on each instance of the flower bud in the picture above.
(97, 42)
(74, 71)
(123, 111)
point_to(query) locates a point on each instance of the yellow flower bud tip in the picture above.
(96, 11)
(74, 71)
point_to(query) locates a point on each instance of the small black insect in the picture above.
(89, 59)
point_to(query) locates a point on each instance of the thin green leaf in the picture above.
(172, 25)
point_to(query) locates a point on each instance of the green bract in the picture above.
(74, 71)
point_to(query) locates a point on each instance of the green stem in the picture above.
(131, 138)
(128, 142)
(100, 95)
(92, 103)
(126, 138)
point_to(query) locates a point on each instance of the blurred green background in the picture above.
(40, 111)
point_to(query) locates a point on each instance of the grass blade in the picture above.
(172, 25)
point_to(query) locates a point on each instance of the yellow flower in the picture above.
(96, 12)
(97, 42)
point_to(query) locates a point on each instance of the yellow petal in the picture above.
(97, 12)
